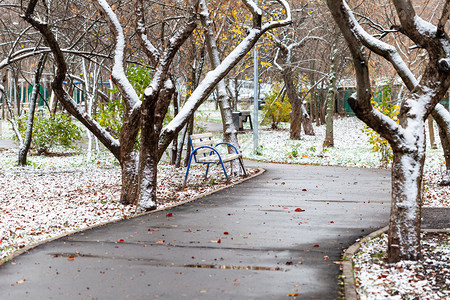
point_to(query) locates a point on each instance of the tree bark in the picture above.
(296, 106)
(25, 146)
(405, 219)
(442, 118)
(330, 101)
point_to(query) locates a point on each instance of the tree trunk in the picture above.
(173, 156)
(307, 122)
(330, 102)
(296, 106)
(129, 193)
(431, 131)
(405, 218)
(25, 146)
(442, 118)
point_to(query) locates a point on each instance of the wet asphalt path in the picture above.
(246, 242)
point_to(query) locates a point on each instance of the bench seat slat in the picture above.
(197, 144)
(215, 158)
(201, 136)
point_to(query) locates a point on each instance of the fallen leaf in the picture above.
(299, 209)
(316, 245)
(325, 257)
(120, 241)
(169, 215)
(21, 281)
(289, 263)
(332, 222)
(304, 190)
(160, 242)
(219, 241)
(283, 183)
(292, 294)
(226, 233)
(71, 257)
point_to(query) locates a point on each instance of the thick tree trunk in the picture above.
(129, 194)
(296, 105)
(405, 220)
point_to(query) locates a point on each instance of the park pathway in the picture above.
(247, 242)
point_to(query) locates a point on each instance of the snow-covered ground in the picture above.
(61, 194)
(428, 278)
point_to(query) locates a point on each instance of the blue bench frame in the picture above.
(211, 153)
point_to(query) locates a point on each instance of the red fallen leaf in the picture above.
(289, 263)
(325, 257)
(98, 162)
(304, 190)
(120, 241)
(299, 209)
(71, 257)
(219, 241)
(160, 242)
(383, 275)
(332, 222)
(169, 215)
(316, 245)
(226, 233)
(284, 207)
(283, 183)
(337, 262)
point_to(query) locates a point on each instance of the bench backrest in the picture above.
(202, 139)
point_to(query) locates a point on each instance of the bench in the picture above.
(204, 151)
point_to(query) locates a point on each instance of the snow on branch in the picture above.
(383, 49)
(148, 47)
(118, 72)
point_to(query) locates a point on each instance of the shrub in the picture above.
(275, 110)
(50, 131)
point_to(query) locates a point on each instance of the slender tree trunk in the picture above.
(189, 132)
(183, 141)
(405, 220)
(173, 156)
(330, 102)
(442, 118)
(25, 146)
(431, 131)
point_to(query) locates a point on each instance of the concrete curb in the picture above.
(32, 246)
(347, 263)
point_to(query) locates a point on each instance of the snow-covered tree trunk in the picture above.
(25, 146)
(405, 219)
(331, 100)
